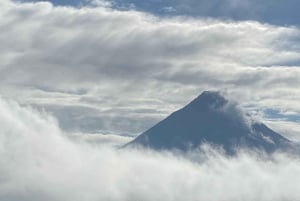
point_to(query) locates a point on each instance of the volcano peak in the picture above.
(210, 118)
(209, 100)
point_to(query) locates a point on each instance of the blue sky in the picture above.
(278, 12)
(60, 2)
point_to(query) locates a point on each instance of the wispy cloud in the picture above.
(135, 66)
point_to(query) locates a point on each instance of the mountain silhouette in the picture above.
(213, 119)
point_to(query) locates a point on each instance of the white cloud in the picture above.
(101, 139)
(128, 64)
(101, 3)
(289, 129)
(39, 163)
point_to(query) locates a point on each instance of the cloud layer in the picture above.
(98, 69)
(38, 162)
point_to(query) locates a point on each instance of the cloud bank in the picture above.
(38, 162)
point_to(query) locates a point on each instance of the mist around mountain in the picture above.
(212, 119)
(39, 162)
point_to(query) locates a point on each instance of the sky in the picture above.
(278, 12)
(108, 68)
(79, 79)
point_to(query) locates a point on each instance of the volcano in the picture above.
(211, 119)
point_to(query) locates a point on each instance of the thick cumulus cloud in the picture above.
(38, 162)
(121, 71)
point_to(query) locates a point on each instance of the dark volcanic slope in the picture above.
(210, 118)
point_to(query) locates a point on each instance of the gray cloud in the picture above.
(79, 118)
(106, 66)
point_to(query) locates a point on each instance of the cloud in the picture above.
(38, 162)
(288, 128)
(101, 139)
(101, 3)
(129, 66)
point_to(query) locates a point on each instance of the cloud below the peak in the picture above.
(39, 162)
